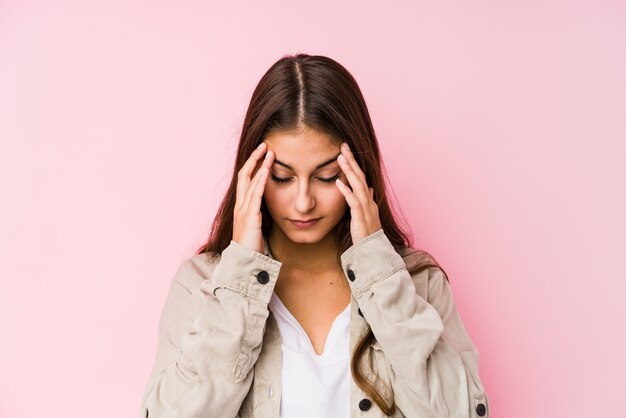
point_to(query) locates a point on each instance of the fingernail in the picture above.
(260, 145)
(342, 158)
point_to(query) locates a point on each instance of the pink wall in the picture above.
(502, 126)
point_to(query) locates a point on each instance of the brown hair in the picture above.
(315, 92)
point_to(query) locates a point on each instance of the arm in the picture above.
(202, 364)
(433, 362)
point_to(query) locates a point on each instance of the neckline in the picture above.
(331, 332)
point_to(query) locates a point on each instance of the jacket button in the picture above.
(263, 277)
(480, 409)
(351, 275)
(365, 404)
(360, 313)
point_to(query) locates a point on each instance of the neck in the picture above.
(308, 257)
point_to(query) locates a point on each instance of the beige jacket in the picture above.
(219, 349)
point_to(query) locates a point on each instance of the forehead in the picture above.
(309, 140)
(304, 149)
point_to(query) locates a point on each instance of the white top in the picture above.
(313, 386)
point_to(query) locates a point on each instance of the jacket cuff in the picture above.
(246, 271)
(370, 260)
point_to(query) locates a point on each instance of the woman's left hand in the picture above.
(364, 211)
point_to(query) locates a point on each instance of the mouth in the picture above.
(299, 223)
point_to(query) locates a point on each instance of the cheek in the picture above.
(334, 199)
(274, 198)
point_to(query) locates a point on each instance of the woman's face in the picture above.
(297, 189)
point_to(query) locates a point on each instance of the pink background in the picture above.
(502, 126)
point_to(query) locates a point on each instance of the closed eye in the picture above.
(287, 180)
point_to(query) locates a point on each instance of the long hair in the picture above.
(315, 92)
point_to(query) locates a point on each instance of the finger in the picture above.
(359, 188)
(265, 164)
(352, 162)
(246, 200)
(245, 172)
(355, 206)
(256, 191)
(259, 188)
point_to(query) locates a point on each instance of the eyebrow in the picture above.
(325, 163)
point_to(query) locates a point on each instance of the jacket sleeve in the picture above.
(203, 362)
(433, 363)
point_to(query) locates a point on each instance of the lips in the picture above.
(304, 224)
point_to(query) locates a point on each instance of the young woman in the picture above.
(308, 299)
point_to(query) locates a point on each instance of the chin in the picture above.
(304, 240)
(305, 236)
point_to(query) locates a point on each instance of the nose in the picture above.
(305, 201)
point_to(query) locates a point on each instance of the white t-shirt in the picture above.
(313, 386)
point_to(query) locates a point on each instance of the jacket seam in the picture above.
(394, 271)
(246, 294)
(243, 341)
(184, 286)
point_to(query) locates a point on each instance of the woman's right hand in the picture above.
(247, 218)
